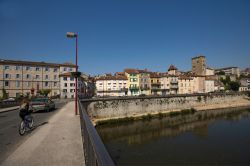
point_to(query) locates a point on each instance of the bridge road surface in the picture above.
(9, 123)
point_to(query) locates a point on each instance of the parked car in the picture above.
(9, 99)
(42, 104)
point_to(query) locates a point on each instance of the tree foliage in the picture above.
(44, 92)
(230, 85)
(5, 95)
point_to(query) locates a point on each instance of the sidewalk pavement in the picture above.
(9, 109)
(59, 142)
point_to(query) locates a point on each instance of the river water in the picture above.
(217, 137)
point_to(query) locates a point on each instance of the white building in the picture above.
(209, 71)
(169, 84)
(112, 85)
(67, 85)
(209, 85)
(229, 71)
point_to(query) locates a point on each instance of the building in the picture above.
(133, 84)
(229, 71)
(209, 71)
(245, 72)
(112, 85)
(169, 84)
(199, 65)
(28, 78)
(155, 83)
(244, 84)
(218, 86)
(144, 82)
(185, 84)
(209, 85)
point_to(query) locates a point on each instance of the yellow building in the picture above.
(155, 84)
(133, 81)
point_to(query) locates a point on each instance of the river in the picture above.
(215, 137)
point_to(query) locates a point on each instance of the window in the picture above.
(65, 69)
(72, 84)
(55, 83)
(6, 83)
(71, 78)
(7, 75)
(100, 83)
(18, 67)
(17, 75)
(65, 84)
(37, 69)
(27, 68)
(18, 84)
(64, 90)
(55, 77)
(27, 76)
(46, 69)
(70, 69)
(64, 78)
(37, 76)
(6, 67)
(46, 77)
(55, 69)
(72, 90)
(46, 83)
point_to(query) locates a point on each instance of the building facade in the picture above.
(144, 82)
(199, 65)
(229, 71)
(155, 84)
(27, 78)
(209, 85)
(133, 84)
(112, 86)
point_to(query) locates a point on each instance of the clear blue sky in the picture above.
(117, 34)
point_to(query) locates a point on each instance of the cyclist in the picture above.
(24, 110)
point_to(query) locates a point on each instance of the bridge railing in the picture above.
(94, 150)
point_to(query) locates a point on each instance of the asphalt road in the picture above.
(9, 123)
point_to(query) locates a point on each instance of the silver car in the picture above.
(42, 104)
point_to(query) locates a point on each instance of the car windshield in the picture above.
(42, 100)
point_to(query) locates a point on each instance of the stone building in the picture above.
(199, 65)
(27, 78)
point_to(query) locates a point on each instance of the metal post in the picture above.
(76, 78)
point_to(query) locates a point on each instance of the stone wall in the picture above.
(119, 108)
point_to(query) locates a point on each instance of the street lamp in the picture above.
(74, 35)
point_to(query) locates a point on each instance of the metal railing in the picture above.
(94, 150)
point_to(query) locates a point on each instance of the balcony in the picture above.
(134, 88)
(173, 86)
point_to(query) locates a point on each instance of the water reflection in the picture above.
(202, 133)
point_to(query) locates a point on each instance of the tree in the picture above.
(44, 92)
(5, 94)
(234, 85)
(221, 73)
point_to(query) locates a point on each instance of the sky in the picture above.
(118, 34)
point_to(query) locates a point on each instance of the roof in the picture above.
(117, 77)
(200, 56)
(155, 75)
(32, 63)
(131, 71)
(225, 68)
(185, 77)
(172, 67)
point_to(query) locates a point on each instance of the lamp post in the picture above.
(74, 35)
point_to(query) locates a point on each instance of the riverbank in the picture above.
(183, 107)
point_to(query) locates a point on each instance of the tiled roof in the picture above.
(155, 75)
(131, 71)
(172, 67)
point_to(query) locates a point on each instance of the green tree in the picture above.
(5, 94)
(233, 85)
(221, 73)
(44, 92)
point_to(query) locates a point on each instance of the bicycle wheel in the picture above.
(22, 128)
(31, 122)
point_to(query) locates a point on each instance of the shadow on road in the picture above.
(36, 126)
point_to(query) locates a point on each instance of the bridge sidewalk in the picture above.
(58, 142)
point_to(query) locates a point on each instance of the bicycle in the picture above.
(26, 124)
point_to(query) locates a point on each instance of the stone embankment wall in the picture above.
(120, 108)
